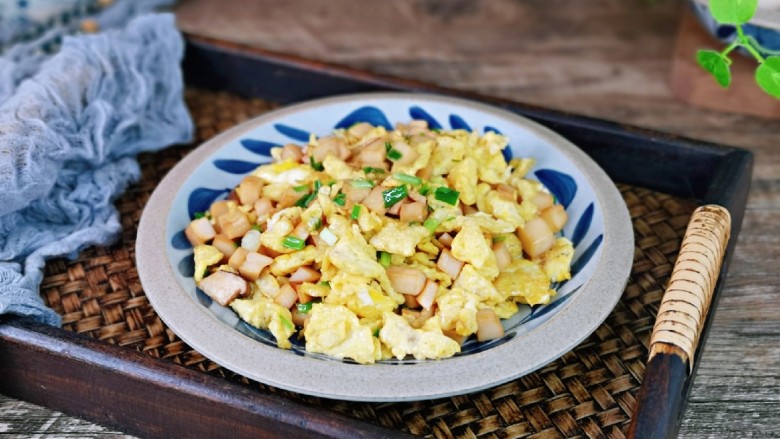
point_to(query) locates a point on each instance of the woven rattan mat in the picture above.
(588, 392)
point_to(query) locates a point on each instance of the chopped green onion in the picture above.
(425, 189)
(304, 308)
(388, 146)
(431, 224)
(315, 223)
(394, 195)
(301, 188)
(370, 169)
(317, 185)
(376, 332)
(305, 200)
(315, 165)
(293, 242)
(408, 179)
(324, 283)
(331, 183)
(355, 211)
(257, 227)
(199, 215)
(394, 154)
(384, 259)
(499, 238)
(447, 195)
(341, 199)
(287, 324)
(328, 236)
(362, 184)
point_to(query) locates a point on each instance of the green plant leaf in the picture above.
(768, 76)
(733, 11)
(716, 64)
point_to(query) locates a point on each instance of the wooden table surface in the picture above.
(604, 58)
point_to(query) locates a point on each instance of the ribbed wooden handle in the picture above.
(687, 299)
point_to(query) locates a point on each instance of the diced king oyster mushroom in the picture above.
(223, 286)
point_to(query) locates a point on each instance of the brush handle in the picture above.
(679, 323)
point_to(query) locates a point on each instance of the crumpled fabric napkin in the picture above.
(68, 140)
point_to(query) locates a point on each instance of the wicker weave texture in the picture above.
(589, 392)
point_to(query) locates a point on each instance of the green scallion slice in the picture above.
(315, 224)
(408, 179)
(355, 212)
(301, 188)
(305, 200)
(341, 199)
(376, 332)
(431, 224)
(293, 242)
(425, 189)
(316, 166)
(388, 146)
(384, 259)
(373, 170)
(324, 283)
(362, 184)
(394, 195)
(447, 195)
(199, 215)
(394, 154)
(304, 308)
(499, 238)
(287, 323)
(257, 227)
(317, 185)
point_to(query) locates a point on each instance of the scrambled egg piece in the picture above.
(557, 262)
(205, 256)
(339, 169)
(278, 227)
(447, 152)
(512, 244)
(266, 285)
(262, 313)
(504, 209)
(286, 171)
(362, 296)
(369, 221)
(399, 238)
(472, 281)
(286, 264)
(484, 221)
(427, 342)
(463, 178)
(526, 282)
(353, 255)
(471, 246)
(336, 331)
(457, 309)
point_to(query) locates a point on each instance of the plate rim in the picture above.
(157, 276)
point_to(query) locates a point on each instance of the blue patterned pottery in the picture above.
(764, 27)
(598, 225)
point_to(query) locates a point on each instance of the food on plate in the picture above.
(372, 244)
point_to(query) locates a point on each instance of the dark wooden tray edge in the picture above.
(100, 382)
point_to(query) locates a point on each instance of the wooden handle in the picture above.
(679, 323)
(689, 293)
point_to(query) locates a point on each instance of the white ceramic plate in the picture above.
(599, 226)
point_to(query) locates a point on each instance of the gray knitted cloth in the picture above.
(71, 125)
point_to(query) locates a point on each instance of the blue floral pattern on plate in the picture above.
(584, 227)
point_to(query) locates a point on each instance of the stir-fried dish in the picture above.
(373, 244)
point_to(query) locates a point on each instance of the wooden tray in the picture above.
(115, 363)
